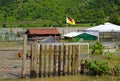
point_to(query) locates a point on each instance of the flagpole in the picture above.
(98, 36)
(66, 25)
(66, 28)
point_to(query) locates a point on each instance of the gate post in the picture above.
(24, 57)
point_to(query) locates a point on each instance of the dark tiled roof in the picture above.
(44, 31)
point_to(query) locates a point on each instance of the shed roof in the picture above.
(44, 31)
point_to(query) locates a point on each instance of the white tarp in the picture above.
(107, 27)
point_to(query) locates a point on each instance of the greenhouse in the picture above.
(81, 36)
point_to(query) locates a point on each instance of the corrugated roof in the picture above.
(43, 31)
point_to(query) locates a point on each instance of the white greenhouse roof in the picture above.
(92, 33)
(107, 27)
(72, 34)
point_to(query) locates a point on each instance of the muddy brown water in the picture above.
(58, 78)
(71, 78)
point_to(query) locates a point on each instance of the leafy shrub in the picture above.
(109, 55)
(117, 69)
(97, 48)
(97, 67)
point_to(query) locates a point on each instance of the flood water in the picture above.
(57, 78)
(72, 78)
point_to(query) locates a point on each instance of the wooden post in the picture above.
(73, 59)
(76, 59)
(45, 64)
(69, 59)
(54, 73)
(40, 60)
(59, 61)
(57, 53)
(79, 59)
(33, 70)
(24, 57)
(47, 58)
(64, 59)
(50, 64)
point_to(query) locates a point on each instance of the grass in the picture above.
(9, 45)
(111, 60)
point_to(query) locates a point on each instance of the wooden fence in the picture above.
(52, 59)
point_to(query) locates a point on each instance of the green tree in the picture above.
(115, 18)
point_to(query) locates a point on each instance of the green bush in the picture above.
(97, 67)
(73, 40)
(109, 55)
(97, 48)
(117, 69)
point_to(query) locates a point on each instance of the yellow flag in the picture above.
(70, 20)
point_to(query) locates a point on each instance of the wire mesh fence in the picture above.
(11, 51)
(10, 60)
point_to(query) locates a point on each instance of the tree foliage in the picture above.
(83, 11)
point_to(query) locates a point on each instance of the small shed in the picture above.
(40, 34)
(81, 35)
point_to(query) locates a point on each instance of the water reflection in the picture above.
(55, 78)
(59, 78)
(72, 78)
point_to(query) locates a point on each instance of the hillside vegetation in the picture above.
(45, 13)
